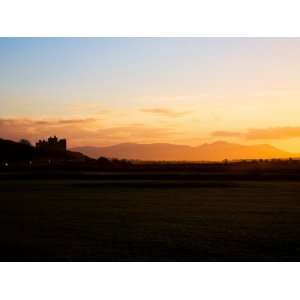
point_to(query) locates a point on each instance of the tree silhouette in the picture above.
(25, 142)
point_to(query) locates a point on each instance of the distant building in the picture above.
(52, 145)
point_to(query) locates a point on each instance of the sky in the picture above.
(105, 91)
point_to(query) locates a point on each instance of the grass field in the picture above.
(149, 220)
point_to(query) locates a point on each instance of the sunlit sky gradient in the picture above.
(103, 91)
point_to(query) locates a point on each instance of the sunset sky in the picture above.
(104, 91)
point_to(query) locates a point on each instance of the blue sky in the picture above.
(206, 84)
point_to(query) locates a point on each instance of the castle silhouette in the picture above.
(52, 145)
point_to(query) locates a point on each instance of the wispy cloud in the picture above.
(83, 131)
(76, 121)
(48, 122)
(35, 129)
(274, 133)
(164, 112)
(223, 133)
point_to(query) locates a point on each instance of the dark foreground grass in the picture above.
(148, 220)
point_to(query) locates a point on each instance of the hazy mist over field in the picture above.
(208, 152)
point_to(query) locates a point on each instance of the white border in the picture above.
(246, 281)
(149, 18)
(149, 280)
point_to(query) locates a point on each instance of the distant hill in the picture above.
(10, 150)
(17, 151)
(207, 152)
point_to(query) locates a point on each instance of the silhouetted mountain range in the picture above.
(168, 152)
(217, 151)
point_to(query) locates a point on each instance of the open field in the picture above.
(149, 220)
